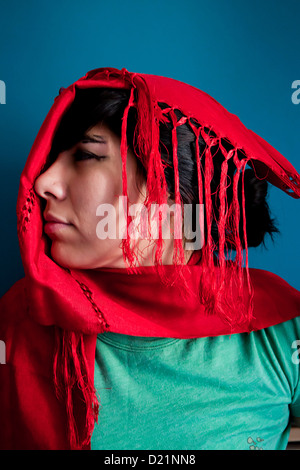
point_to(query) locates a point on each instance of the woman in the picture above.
(154, 326)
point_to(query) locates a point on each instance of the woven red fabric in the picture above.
(50, 319)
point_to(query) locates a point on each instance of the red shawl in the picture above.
(51, 318)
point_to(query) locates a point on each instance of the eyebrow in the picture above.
(96, 139)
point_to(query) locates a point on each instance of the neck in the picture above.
(145, 250)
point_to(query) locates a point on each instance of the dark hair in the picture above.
(107, 105)
(90, 107)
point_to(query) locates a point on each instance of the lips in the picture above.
(52, 218)
(54, 224)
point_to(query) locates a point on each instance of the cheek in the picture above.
(89, 194)
(136, 184)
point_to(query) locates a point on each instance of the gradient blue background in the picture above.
(244, 53)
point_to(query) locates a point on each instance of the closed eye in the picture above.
(84, 155)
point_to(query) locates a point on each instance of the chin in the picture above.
(71, 257)
(71, 261)
(63, 258)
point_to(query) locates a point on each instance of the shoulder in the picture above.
(27, 343)
(268, 280)
(13, 306)
(274, 301)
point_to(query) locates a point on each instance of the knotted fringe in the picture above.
(128, 254)
(178, 257)
(222, 287)
(147, 149)
(71, 373)
(208, 284)
(197, 132)
(178, 251)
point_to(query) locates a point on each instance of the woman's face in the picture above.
(80, 179)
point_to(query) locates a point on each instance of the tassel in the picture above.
(160, 192)
(147, 149)
(250, 287)
(71, 373)
(236, 211)
(178, 248)
(241, 311)
(128, 253)
(223, 212)
(197, 131)
(208, 175)
(208, 284)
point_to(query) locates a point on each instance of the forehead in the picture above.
(100, 134)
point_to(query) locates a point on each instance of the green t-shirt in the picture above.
(225, 392)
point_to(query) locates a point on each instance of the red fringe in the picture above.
(197, 131)
(147, 149)
(178, 257)
(128, 253)
(208, 287)
(222, 283)
(223, 215)
(71, 374)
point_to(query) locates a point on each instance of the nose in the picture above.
(51, 184)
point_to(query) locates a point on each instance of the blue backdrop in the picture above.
(244, 53)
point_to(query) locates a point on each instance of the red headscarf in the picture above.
(203, 298)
